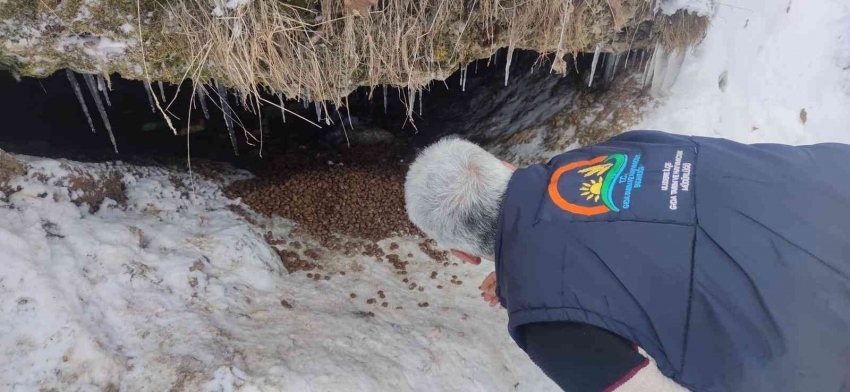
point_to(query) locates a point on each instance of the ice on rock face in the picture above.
(161, 90)
(79, 94)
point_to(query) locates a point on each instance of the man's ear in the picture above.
(474, 260)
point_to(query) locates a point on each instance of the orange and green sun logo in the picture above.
(601, 175)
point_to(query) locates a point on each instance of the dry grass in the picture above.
(320, 50)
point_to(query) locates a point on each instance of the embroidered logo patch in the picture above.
(600, 177)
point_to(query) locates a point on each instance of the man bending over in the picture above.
(729, 264)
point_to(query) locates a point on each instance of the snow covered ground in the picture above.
(167, 291)
(172, 294)
(768, 71)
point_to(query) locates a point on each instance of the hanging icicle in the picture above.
(101, 85)
(463, 77)
(228, 120)
(150, 98)
(658, 69)
(161, 90)
(202, 99)
(306, 98)
(328, 114)
(508, 64)
(282, 111)
(421, 100)
(385, 98)
(411, 97)
(79, 94)
(90, 82)
(593, 65)
(318, 111)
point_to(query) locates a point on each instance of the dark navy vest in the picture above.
(728, 263)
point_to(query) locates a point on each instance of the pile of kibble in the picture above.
(362, 202)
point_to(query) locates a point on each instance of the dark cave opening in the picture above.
(43, 116)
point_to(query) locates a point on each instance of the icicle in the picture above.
(385, 99)
(593, 65)
(79, 94)
(658, 69)
(465, 75)
(476, 67)
(150, 98)
(161, 90)
(508, 64)
(421, 100)
(104, 88)
(328, 115)
(610, 62)
(282, 112)
(306, 98)
(674, 66)
(228, 121)
(647, 75)
(411, 95)
(616, 60)
(238, 97)
(93, 90)
(318, 111)
(202, 98)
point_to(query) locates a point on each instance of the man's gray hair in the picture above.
(453, 193)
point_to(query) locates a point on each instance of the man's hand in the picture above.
(488, 286)
(488, 289)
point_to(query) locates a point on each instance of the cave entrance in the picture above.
(44, 116)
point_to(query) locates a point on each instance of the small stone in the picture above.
(384, 304)
(352, 295)
(423, 304)
(370, 301)
(454, 276)
(310, 275)
(440, 287)
(285, 304)
(459, 282)
(327, 277)
(342, 273)
(405, 280)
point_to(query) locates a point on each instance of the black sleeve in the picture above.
(581, 357)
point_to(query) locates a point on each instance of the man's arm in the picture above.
(584, 358)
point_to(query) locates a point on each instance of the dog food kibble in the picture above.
(423, 304)
(381, 294)
(362, 198)
(285, 304)
(440, 287)
(384, 304)
(393, 246)
(327, 277)
(310, 276)
(352, 295)
(370, 301)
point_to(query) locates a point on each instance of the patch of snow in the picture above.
(172, 292)
(127, 28)
(97, 47)
(760, 65)
(217, 12)
(700, 7)
(83, 14)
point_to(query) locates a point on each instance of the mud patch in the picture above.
(86, 188)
